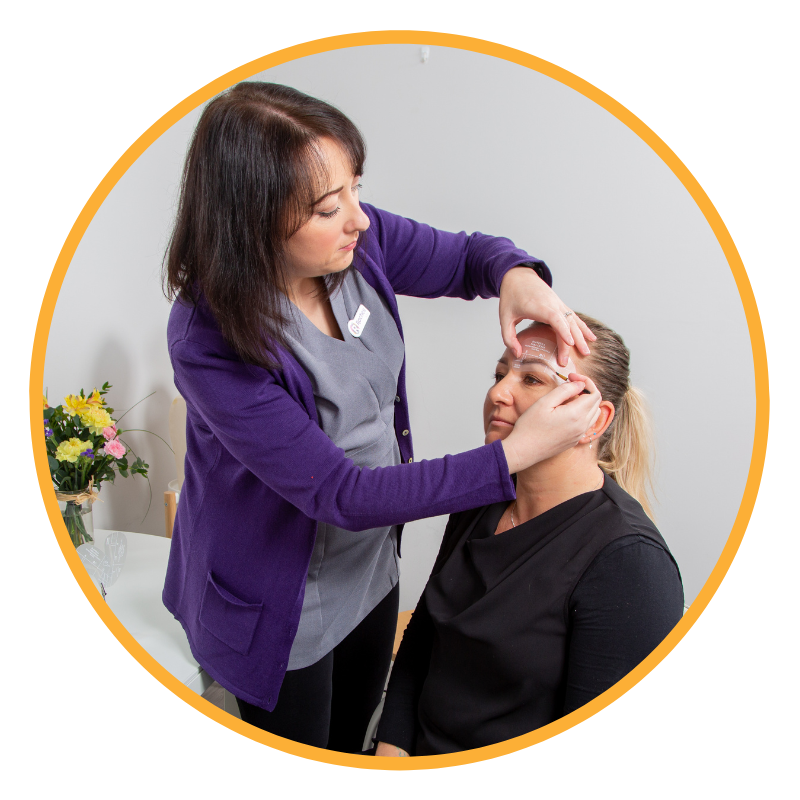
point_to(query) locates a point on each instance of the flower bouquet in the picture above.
(85, 448)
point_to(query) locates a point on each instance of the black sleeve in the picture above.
(627, 601)
(398, 725)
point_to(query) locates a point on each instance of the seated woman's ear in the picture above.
(605, 417)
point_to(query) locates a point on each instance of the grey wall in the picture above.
(465, 142)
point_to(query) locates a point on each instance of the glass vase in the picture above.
(77, 517)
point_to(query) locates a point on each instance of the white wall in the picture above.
(463, 141)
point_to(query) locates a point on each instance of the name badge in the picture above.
(356, 325)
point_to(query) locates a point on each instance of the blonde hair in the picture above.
(626, 448)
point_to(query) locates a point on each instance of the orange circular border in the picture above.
(524, 60)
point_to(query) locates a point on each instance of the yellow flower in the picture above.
(44, 400)
(74, 404)
(95, 418)
(70, 450)
(95, 399)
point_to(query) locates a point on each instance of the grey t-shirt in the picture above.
(355, 387)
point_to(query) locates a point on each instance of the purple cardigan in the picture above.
(260, 472)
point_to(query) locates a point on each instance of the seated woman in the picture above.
(537, 606)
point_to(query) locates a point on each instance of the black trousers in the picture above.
(329, 704)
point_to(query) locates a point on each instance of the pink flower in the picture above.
(110, 432)
(114, 448)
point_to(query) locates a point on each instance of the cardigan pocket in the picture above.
(228, 618)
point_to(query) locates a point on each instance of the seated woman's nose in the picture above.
(500, 392)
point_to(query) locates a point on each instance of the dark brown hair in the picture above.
(252, 174)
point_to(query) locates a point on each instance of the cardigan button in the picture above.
(410, 460)
(397, 398)
(405, 433)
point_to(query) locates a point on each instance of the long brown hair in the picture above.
(626, 446)
(252, 174)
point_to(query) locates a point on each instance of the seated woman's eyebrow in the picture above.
(530, 362)
(525, 362)
(535, 360)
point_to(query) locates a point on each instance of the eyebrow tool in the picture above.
(566, 380)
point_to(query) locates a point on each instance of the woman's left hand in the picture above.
(524, 295)
(389, 750)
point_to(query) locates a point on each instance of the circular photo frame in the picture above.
(424, 46)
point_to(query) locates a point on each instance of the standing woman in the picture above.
(286, 344)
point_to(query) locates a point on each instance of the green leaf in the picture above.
(48, 412)
(54, 463)
(123, 472)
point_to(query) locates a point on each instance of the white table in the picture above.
(135, 599)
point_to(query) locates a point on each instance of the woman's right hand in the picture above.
(553, 424)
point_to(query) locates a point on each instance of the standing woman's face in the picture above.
(326, 242)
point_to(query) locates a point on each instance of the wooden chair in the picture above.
(402, 622)
(177, 437)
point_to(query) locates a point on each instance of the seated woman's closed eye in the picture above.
(515, 631)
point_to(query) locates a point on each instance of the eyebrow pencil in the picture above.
(566, 380)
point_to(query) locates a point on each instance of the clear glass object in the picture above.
(104, 566)
(78, 520)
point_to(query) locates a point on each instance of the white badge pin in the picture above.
(356, 325)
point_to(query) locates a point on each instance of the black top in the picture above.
(514, 631)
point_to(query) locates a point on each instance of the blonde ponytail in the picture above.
(626, 447)
(626, 452)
